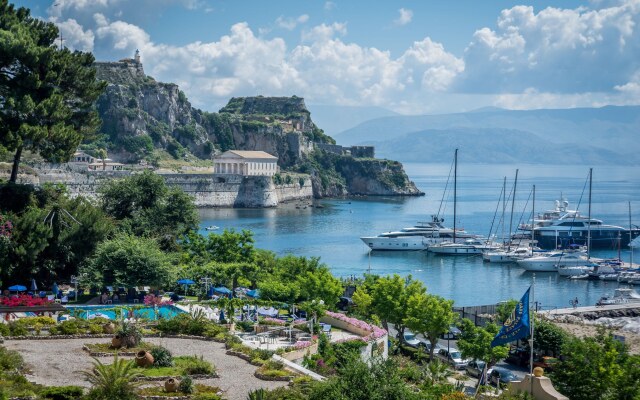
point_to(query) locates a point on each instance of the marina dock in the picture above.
(589, 309)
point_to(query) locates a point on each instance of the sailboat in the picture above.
(554, 260)
(469, 246)
(418, 237)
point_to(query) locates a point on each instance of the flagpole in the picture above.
(532, 320)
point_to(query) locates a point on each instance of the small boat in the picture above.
(470, 246)
(212, 228)
(504, 256)
(620, 296)
(582, 276)
(574, 270)
(550, 261)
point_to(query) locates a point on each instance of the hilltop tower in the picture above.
(136, 58)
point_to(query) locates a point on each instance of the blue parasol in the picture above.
(222, 290)
(186, 282)
(55, 289)
(253, 293)
(17, 288)
(33, 286)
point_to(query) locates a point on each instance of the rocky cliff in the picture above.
(143, 118)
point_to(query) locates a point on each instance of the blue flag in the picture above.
(517, 325)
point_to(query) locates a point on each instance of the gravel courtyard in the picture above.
(60, 362)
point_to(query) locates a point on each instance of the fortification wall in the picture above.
(208, 190)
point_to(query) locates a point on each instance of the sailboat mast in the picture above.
(455, 193)
(589, 220)
(533, 218)
(504, 205)
(630, 235)
(513, 203)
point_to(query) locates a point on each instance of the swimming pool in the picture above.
(108, 311)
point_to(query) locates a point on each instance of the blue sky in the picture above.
(411, 57)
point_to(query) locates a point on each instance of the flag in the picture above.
(517, 325)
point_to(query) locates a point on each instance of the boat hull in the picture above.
(600, 239)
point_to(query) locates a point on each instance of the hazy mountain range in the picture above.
(607, 135)
(335, 119)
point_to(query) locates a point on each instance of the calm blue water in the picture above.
(332, 233)
(108, 310)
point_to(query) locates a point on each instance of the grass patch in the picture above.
(183, 365)
(200, 389)
(106, 348)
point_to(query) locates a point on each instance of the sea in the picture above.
(331, 228)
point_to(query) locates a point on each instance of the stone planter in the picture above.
(109, 328)
(116, 342)
(171, 385)
(144, 359)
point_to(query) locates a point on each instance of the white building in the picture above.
(240, 162)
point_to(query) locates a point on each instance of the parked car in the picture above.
(499, 375)
(452, 357)
(475, 368)
(453, 333)
(411, 340)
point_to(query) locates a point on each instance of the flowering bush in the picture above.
(153, 300)
(5, 227)
(376, 332)
(23, 300)
(272, 321)
(302, 344)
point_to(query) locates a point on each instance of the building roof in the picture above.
(250, 154)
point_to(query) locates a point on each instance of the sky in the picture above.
(411, 57)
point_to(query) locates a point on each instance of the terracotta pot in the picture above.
(116, 342)
(109, 328)
(171, 385)
(144, 359)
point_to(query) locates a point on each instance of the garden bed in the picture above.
(105, 349)
(158, 393)
(192, 366)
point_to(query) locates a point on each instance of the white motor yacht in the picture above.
(620, 296)
(418, 237)
(549, 262)
(574, 270)
(470, 246)
(505, 256)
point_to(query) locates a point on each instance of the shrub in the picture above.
(198, 366)
(162, 357)
(4, 330)
(18, 330)
(131, 335)
(186, 385)
(62, 392)
(10, 360)
(112, 381)
(246, 326)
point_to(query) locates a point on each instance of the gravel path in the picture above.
(60, 362)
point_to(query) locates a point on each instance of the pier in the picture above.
(591, 309)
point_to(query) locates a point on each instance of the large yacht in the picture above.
(561, 227)
(550, 261)
(417, 237)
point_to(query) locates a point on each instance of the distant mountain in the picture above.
(334, 119)
(490, 146)
(607, 135)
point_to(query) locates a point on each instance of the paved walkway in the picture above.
(580, 310)
(60, 362)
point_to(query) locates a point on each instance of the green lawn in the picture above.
(183, 365)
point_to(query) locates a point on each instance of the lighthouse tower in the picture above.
(136, 58)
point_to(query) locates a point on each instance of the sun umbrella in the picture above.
(33, 286)
(222, 290)
(186, 282)
(55, 290)
(17, 288)
(253, 293)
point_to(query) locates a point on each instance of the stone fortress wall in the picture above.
(208, 190)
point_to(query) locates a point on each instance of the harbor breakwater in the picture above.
(208, 190)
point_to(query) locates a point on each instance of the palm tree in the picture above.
(115, 381)
(437, 371)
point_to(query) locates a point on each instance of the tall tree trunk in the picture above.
(16, 164)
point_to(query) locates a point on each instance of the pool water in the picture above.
(88, 312)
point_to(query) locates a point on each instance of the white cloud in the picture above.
(324, 32)
(329, 5)
(74, 36)
(404, 18)
(291, 23)
(555, 50)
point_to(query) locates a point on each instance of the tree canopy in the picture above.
(47, 94)
(429, 315)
